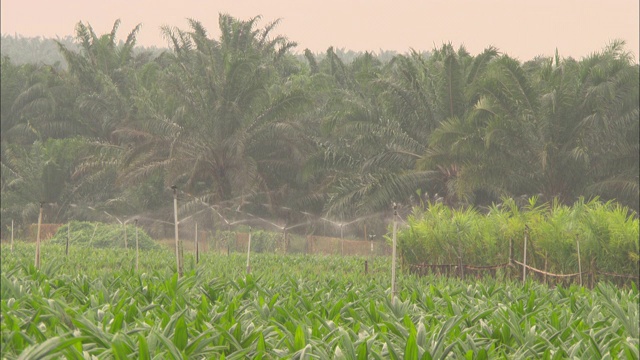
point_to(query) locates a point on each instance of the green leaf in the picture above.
(426, 355)
(363, 351)
(239, 354)
(482, 355)
(261, 347)
(391, 350)
(175, 353)
(143, 348)
(347, 345)
(299, 339)
(49, 347)
(180, 335)
(117, 323)
(118, 348)
(411, 350)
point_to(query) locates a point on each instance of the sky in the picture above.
(523, 29)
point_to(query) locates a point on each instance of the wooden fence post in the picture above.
(197, 250)
(460, 264)
(284, 239)
(341, 240)
(66, 249)
(137, 247)
(579, 265)
(249, 252)
(11, 235)
(95, 228)
(545, 266)
(393, 256)
(37, 260)
(175, 224)
(511, 251)
(593, 272)
(524, 257)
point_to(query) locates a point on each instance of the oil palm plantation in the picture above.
(107, 73)
(224, 130)
(36, 103)
(387, 121)
(546, 128)
(39, 174)
(104, 72)
(35, 110)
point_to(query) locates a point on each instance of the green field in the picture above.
(93, 303)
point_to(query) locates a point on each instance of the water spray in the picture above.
(249, 217)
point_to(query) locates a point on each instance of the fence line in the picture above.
(466, 266)
(310, 244)
(637, 277)
(491, 267)
(548, 273)
(419, 269)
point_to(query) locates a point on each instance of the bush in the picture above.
(101, 235)
(264, 241)
(607, 232)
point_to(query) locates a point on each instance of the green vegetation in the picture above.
(101, 235)
(94, 304)
(241, 123)
(250, 133)
(607, 234)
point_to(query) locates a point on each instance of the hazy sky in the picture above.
(520, 28)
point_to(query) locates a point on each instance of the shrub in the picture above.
(101, 235)
(607, 232)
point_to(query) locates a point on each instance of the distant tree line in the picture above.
(39, 50)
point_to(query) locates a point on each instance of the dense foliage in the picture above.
(101, 235)
(240, 121)
(606, 234)
(93, 303)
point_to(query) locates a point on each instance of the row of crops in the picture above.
(94, 303)
(593, 236)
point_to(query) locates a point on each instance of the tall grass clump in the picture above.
(102, 235)
(606, 234)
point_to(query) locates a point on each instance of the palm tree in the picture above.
(103, 70)
(225, 130)
(388, 119)
(35, 102)
(40, 173)
(112, 81)
(488, 144)
(611, 94)
(540, 128)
